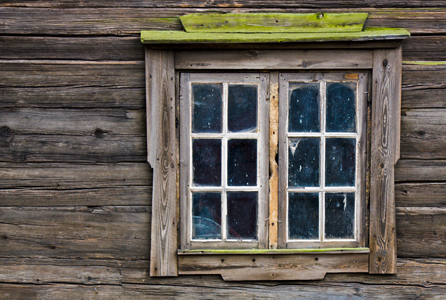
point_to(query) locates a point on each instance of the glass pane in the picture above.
(242, 215)
(242, 107)
(339, 215)
(206, 162)
(341, 107)
(207, 107)
(206, 214)
(242, 162)
(303, 216)
(340, 162)
(304, 107)
(303, 162)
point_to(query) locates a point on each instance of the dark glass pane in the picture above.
(339, 215)
(242, 107)
(206, 215)
(206, 161)
(303, 162)
(341, 103)
(242, 215)
(340, 162)
(304, 107)
(207, 107)
(303, 216)
(242, 162)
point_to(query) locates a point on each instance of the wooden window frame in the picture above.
(382, 59)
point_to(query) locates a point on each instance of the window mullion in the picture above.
(322, 162)
(224, 162)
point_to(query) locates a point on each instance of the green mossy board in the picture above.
(274, 22)
(181, 37)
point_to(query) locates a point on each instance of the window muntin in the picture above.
(225, 165)
(323, 161)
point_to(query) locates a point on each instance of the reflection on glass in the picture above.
(340, 162)
(242, 107)
(207, 108)
(242, 215)
(341, 112)
(242, 162)
(303, 162)
(339, 215)
(206, 162)
(303, 114)
(303, 216)
(206, 215)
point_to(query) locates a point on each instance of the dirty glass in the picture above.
(242, 108)
(340, 162)
(206, 162)
(242, 162)
(341, 107)
(242, 215)
(303, 115)
(207, 108)
(303, 162)
(206, 215)
(303, 216)
(339, 215)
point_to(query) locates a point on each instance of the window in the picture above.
(261, 158)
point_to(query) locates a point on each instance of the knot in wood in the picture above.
(5, 131)
(99, 133)
(385, 63)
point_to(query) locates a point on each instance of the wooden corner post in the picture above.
(385, 140)
(161, 149)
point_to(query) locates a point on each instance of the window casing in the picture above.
(163, 71)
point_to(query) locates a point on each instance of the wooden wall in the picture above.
(75, 187)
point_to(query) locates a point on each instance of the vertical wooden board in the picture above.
(384, 138)
(161, 98)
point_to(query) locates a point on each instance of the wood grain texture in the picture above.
(162, 157)
(272, 60)
(386, 86)
(103, 232)
(273, 267)
(420, 194)
(412, 170)
(73, 176)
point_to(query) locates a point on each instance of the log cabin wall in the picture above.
(75, 187)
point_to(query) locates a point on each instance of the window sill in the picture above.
(268, 264)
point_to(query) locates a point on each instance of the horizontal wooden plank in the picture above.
(99, 148)
(69, 48)
(116, 20)
(270, 59)
(420, 272)
(420, 194)
(174, 291)
(420, 170)
(125, 195)
(74, 176)
(218, 4)
(71, 74)
(76, 232)
(421, 232)
(424, 48)
(73, 97)
(423, 134)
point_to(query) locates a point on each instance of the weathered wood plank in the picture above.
(424, 48)
(74, 122)
(231, 291)
(273, 60)
(421, 232)
(75, 232)
(49, 74)
(74, 176)
(384, 153)
(69, 48)
(115, 20)
(423, 134)
(420, 194)
(162, 157)
(420, 171)
(125, 195)
(92, 148)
